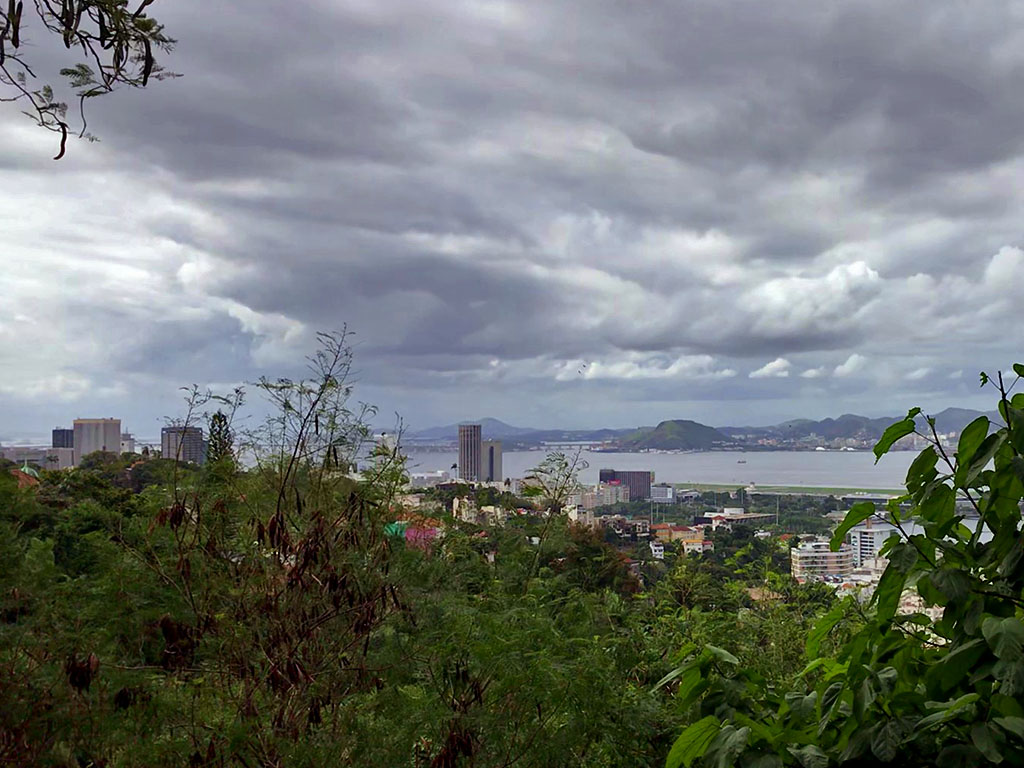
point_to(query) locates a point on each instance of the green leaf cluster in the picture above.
(938, 686)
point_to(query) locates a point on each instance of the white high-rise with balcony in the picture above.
(816, 560)
(867, 539)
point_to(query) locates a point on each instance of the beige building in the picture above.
(697, 547)
(93, 435)
(600, 495)
(815, 560)
(683, 533)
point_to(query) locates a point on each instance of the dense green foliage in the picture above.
(904, 687)
(269, 610)
(257, 613)
(222, 442)
(796, 513)
(201, 646)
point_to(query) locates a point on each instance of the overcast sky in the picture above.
(589, 213)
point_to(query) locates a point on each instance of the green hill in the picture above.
(674, 435)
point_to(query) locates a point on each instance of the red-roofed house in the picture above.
(25, 479)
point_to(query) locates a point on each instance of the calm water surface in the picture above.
(847, 469)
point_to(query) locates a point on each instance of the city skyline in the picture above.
(36, 435)
(511, 383)
(479, 460)
(649, 233)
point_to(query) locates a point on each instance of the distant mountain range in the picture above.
(686, 435)
(492, 429)
(852, 426)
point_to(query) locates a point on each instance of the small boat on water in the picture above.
(741, 461)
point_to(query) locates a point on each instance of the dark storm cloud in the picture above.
(494, 194)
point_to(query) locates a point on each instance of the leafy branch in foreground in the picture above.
(119, 46)
(555, 479)
(905, 688)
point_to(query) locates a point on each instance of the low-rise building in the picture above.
(878, 499)
(694, 547)
(516, 485)
(627, 527)
(44, 458)
(418, 530)
(580, 515)
(410, 500)
(663, 493)
(428, 479)
(493, 515)
(730, 516)
(684, 533)
(464, 509)
(600, 495)
(912, 602)
(657, 549)
(661, 531)
(26, 477)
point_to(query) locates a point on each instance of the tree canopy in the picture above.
(110, 45)
(286, 610)
(934, 673)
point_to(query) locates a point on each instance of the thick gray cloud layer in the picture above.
(555, 213)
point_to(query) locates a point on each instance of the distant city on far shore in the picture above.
(847, 432)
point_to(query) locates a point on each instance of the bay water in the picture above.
(822, 469)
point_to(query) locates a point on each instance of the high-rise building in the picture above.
(63, 438)
(638, 482)
(490, 461)
(816, 560)
(867, 539)
(127, 443)
(470, 448)
(183, 444)
(93, 435)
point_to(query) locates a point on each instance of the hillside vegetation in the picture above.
(676, 434)
(271, 613)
